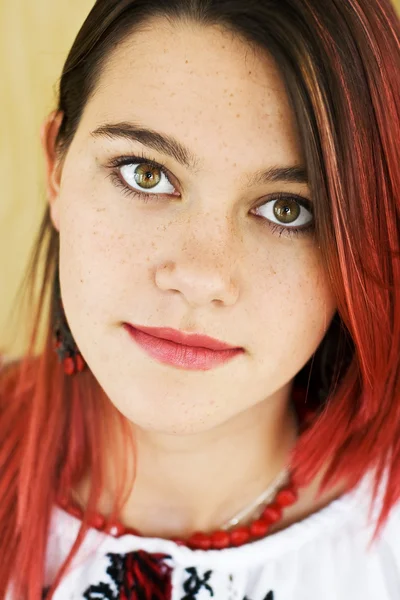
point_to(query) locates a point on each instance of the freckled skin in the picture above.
(202, 263)
(208, 442)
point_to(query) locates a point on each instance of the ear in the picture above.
(48, 135)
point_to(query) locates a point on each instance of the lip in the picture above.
(186, 350)
(187, 339)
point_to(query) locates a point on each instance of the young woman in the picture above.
(215, 410)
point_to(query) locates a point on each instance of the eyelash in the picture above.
(121, 161)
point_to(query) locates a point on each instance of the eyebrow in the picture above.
(169, 146)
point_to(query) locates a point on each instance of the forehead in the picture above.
(203, 85)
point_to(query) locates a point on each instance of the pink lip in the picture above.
(189, 351)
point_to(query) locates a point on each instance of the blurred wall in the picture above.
(35, 36)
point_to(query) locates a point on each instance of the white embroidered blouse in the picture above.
(323, 557)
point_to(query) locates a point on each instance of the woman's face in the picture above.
(210, 249)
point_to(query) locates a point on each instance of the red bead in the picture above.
(97, 521)
(240, 536)
(178, 541)
(216, 540)
(75, 511)
(80, 363)
(219, 540)
(272, 513)
(200, 541)
(259, 528)
(286, 497)
(115, 529)
(69, 366)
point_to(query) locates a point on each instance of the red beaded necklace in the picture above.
(219, 539)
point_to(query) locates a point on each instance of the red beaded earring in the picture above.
(64, 342)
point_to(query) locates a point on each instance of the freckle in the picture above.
(186, 61)
(231, 96)
(230, 103)
(238, 116)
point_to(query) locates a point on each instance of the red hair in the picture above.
(341, 63)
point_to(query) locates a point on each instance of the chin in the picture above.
(181, 421)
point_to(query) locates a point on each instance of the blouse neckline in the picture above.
(318, 526)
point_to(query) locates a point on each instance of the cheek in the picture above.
(104, 258)
(292, 304)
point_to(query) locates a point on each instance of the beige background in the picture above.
(35, 36)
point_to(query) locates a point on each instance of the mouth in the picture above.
(183, 350)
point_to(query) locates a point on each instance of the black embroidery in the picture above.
(101, 590)
(136, 576)
(269, 596)
(194, 584)
(143, 576)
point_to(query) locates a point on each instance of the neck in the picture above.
(198, 482)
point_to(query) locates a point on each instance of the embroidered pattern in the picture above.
(143, 576)
(136, 576)
(195, 583)
(269, 596)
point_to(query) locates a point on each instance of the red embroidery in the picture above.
(146, 577)
(136, 576)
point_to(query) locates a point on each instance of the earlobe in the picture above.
(48, 135)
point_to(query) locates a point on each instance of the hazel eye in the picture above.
(288, 211)
(144, 176)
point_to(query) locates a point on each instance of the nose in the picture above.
(202, 266)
